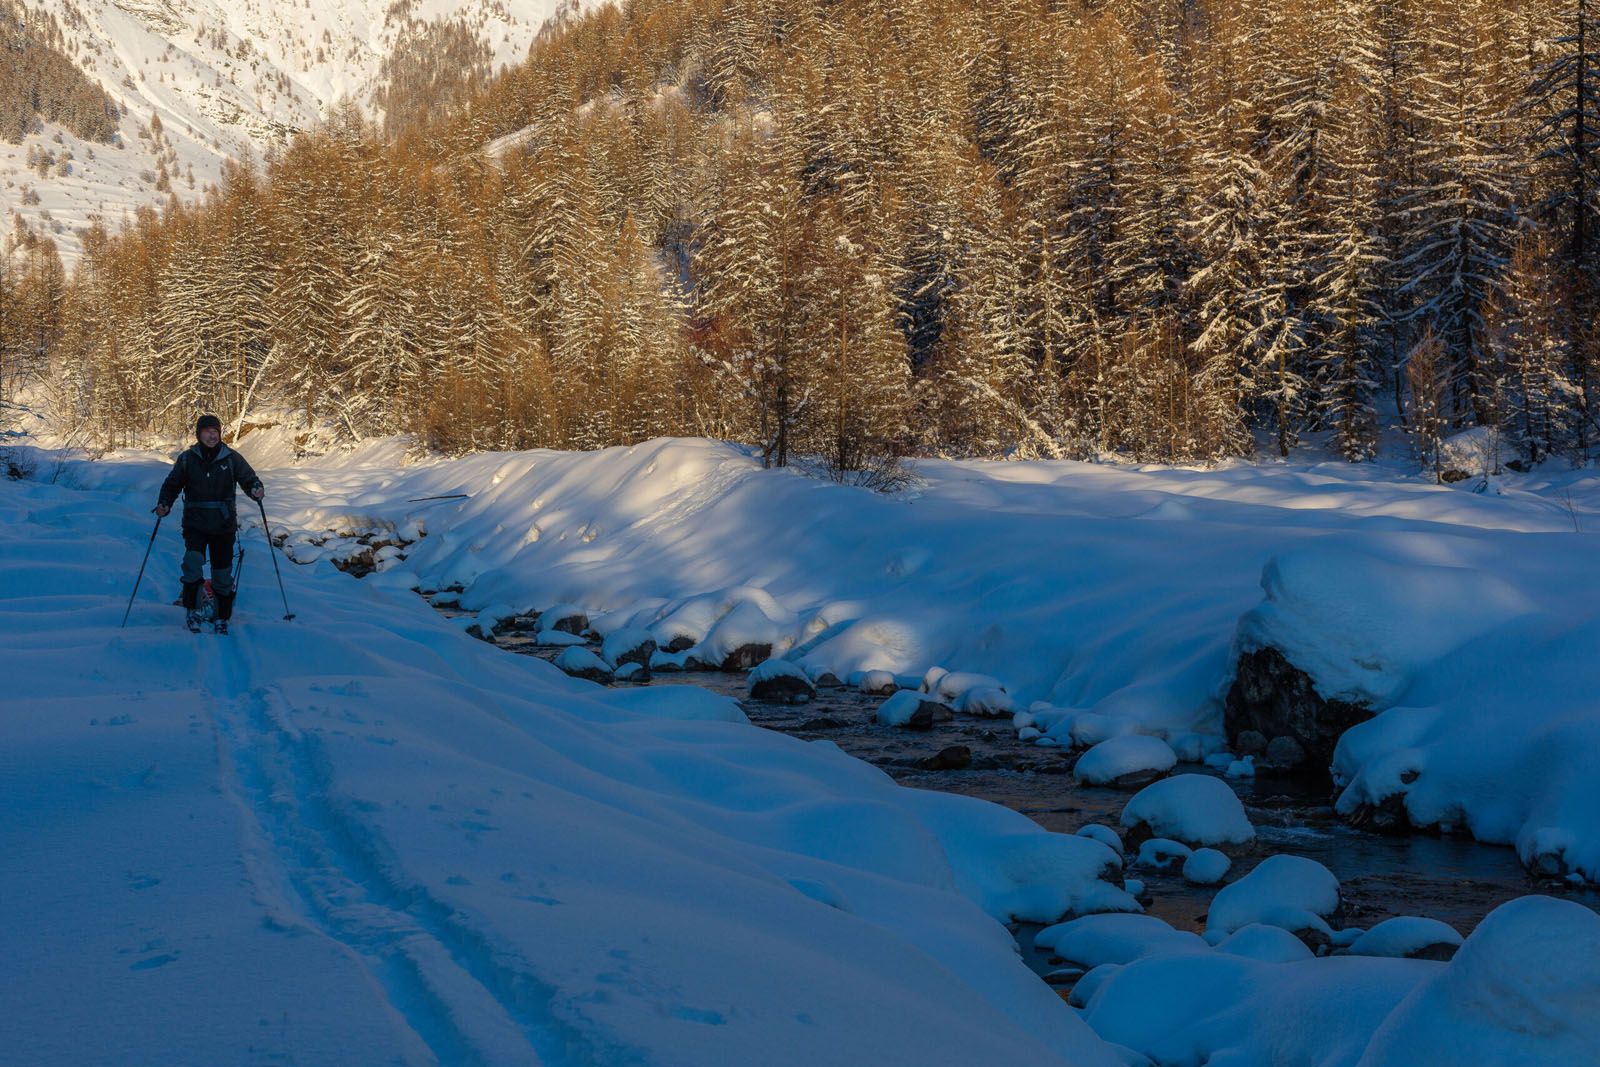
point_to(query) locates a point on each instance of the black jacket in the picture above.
(207, 483)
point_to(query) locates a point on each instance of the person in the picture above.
(207, 474)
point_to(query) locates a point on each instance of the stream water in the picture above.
(1453, 879)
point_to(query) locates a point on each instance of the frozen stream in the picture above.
(1453, 879)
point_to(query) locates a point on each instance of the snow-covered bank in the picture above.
(395, 843)
(1119, 595)
(363, 837)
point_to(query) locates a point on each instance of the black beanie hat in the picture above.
(207, 420)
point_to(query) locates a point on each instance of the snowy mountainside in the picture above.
(225, 81)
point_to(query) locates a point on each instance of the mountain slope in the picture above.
(201, 82)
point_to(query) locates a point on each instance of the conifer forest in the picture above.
(1180, 230)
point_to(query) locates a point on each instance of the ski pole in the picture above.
(238, 570)
(139, 579)
(267, 533)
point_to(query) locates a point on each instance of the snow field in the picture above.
(404, 845)
(699, 541)
(1475, 614)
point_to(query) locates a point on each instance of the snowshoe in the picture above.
(220, 626)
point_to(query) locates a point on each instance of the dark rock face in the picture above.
(1388, 816)
(572, 624)
(680, 643)
(1442, 951)
(1250, 743)
(1135, 779)
(1273, 698)
(517, 624)
(639, 654)
(1284, 754)
(783, 689)
(598, 675)
(954, 758)
(746, 656)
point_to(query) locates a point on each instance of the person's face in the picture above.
(210, 436)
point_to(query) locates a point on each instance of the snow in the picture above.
(1470, 620)
(1102, 833)
(1520, 992)
(952, 686)
(228, 81)
(1290, 892)
(400, 844)
(334, 804)
(899, 708)
(1362, 625)
(1129, 754)
(577, 659)
(985, 700)
(1206, 866)
(1193, 808)
(628, 640)
(1270, 944)
(877, 682)
(1403, 935)
(756, 619)
(775, 668)
(1160, 853)
(1217, 1007)
(1096, 939)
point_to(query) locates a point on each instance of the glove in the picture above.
(259, 491)
(161, 510)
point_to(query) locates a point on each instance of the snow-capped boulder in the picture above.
(1290, 892)
(953, 685)
(1271, 697)
(1196, 809)
(1341, 634)
(1161, 853)
(667, 662)
(1520, 992)
(911, 709)
(1090, 728)
(632, 671)
(564, 618)
(778, 681)
(1206, 866)
(1408, 937)
(686, 625)
(1114, 938)
(580, 662)
(877, 683)
(986, 700)
(755, 629)
(1126, 762)
(631, 644)
(1102, 833)
(1270, 944)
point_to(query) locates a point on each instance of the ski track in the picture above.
(316, 865)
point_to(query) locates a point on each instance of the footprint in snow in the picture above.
(153, 962)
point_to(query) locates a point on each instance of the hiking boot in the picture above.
(192, 620)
